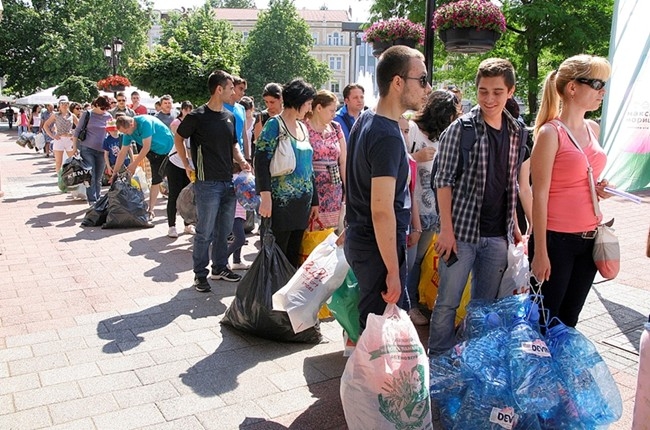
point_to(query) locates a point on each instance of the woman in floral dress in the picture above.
(328, 142)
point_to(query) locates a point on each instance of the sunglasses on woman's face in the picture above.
(596, 84)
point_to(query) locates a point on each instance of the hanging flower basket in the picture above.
(469, 26)
(469, 40)
(397, 31)
(113, 83)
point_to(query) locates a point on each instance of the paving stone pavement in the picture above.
(99, 329)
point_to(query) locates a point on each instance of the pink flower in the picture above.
(392, 29)
(481, 14)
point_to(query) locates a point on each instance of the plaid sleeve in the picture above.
(448, 155)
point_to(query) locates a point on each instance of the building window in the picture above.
(335, 87)
(335, 39)
(244, 36)
(315, 37)
(336, 62)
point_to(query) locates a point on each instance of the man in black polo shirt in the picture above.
(214, 145)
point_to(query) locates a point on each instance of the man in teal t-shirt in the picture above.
(155, 139)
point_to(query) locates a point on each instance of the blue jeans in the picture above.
(234, 248)
(414, 258)
(487, 260)
(215, 210)
(94, 159)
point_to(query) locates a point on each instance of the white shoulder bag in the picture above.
(284, 159)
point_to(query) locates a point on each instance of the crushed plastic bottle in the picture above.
(534, 380)
(589, 383)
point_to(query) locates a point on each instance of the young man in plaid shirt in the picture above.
(477, 205)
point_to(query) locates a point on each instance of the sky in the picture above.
(359, 7)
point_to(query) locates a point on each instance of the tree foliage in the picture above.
(44, 41)
(192, 45)
(540, 35)
(233, 4)
(277, 50)
(78, 88)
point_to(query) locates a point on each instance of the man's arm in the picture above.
(179, 144)
(382, 197)
(239, 158)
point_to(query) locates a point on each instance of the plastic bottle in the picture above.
(641, 420)
(534, 379)
(584, 373)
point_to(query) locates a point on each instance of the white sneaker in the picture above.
(172, 232)
(417, 318)
(189, 229)
(240, 266)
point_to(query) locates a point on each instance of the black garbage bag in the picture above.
(252, 309)
(126, 206)
(186, 204)
(96, 215)
(75, 172)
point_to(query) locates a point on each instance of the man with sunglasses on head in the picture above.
(476, 194)
(121, 107)
(377, 195)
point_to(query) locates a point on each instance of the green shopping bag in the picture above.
(344, 305)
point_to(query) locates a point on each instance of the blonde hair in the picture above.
(323, 98)
(578, 66)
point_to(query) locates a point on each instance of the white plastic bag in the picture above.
(39, 141)
(141, 177)
(313, 283)
(385, 384)
(516, 278)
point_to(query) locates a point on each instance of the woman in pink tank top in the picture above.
(564, 216)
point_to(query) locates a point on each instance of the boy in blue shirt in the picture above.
(111, 146)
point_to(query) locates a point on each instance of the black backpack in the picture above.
(467, 142)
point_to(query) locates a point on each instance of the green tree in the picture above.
(78, 88)
(277, 50)
(538, 38)
(46, 41)
(191, 46)
(232, 4)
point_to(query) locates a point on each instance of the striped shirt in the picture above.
(468, 188)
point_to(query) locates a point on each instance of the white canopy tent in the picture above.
(47, 96)
(39, 98)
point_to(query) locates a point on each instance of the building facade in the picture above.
(332, 45)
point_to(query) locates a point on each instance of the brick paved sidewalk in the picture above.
(99, 328)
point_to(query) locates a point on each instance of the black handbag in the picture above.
(162, 171)
(84, 128)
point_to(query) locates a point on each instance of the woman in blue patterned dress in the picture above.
(290, 200)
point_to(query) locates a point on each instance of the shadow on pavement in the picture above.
(172, 256)
(629, 322)
(326, 413)
(58, 219)
(125, 331)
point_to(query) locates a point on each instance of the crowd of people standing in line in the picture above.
(376, 166)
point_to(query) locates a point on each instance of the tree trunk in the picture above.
(533, 75)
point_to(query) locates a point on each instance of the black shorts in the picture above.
(155, 160)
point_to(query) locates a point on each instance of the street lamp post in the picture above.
(429, 38)
(112, 53)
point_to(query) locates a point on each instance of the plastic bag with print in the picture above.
(313, 283)
(385, 384)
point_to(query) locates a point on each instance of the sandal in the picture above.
(150, 216)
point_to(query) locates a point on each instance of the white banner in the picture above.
(625, 130)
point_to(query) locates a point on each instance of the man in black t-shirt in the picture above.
(214, 146)
(377, 201)
(10, 113)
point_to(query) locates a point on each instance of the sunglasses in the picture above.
(121, 100)
(422, 79)
(596, 84)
